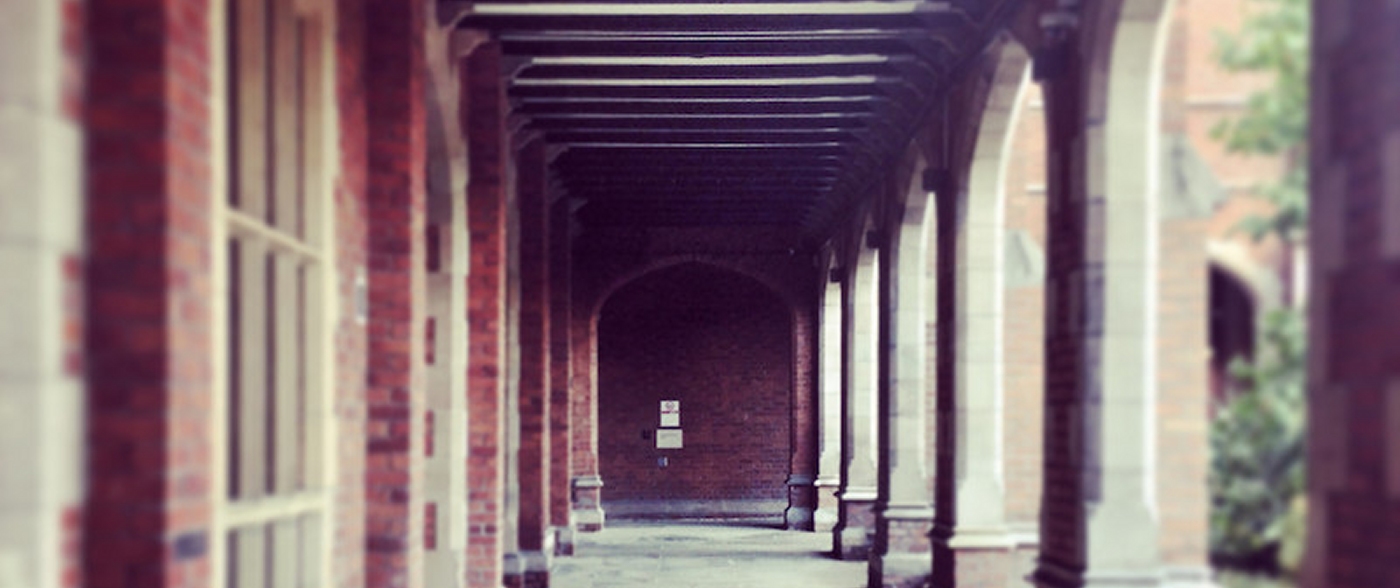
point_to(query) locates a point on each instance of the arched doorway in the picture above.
(1232, 329)
(720, 344)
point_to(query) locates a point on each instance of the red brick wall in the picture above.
(721, 344)
(1024, 329)
(148, 337)
(1183, 393)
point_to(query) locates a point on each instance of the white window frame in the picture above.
(317, 253)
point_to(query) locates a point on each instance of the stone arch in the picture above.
(783, 290)
(972, 541)
(1119, 285)
(1258, 279)
(859, 320)
(979, 301)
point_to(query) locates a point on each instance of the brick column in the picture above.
(396, 127)
(561, 371)
(802, 477)
(1354, 378)
(534, 400)
(855, 524)
(484, 107)
(148, 337)
(587, 485)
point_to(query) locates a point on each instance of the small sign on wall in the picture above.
(670, 413)
(669, 439)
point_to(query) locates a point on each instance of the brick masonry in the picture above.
(352, 256)
(534, 347)
(483, 103)
(138, 311)
(1354, 448)
(719, 343)
(561, 372)
(148, 339)
(396, 196)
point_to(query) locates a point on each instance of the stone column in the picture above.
(903, 511)
(445, 477)
(829, 408)
(445, 492)
(855, 525)
(42, 359)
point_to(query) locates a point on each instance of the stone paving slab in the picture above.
(689, 555)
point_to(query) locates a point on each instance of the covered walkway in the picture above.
(714, 555)
(423, 293)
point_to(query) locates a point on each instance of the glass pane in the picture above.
(251, 396)
(314, 349)
(286, 361)
(311, 533)
(248, 113)
(235, 366)
(248, 558)
(285, 126)
(269, 415)
(286, 554)
(303, 389)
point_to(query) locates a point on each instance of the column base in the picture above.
(902, 556)
(563, 540)
(852, 537)
(900, 570)
(1051, 575)
(587, 514)
(802, 503)
(980, 557)
(826, 515)
(526, 569)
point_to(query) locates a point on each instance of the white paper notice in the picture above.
(669, 439)
(670, 413)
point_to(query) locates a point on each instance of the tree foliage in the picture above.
(1274, 42)
(1257, 443)
(1257, 479)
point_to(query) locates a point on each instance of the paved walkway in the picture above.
(628, 555)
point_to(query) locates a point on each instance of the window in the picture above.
(273, 495)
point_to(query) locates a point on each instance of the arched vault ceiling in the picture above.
(712, 113)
